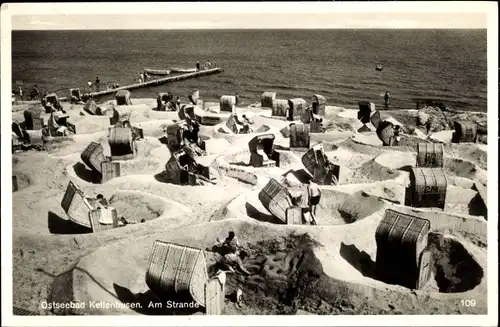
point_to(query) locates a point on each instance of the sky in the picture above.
(313, 15)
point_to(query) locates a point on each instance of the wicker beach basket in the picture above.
(366, 109)
(401, 239)
(465, 131)
(264, 142)
(123, 98)
(96, 215)
(299, 136)
(163, 98)
(76, 206)
(276, 199)
(227, 103)
(430, 155)
(233, 124)
(375, 118)
(280, 107)
(214, 297)
(323, 171)
(32, 118)
(36, 137)
(120, 141)
(175, 268)
(297, 106)
(318, 104)
(121, 114)
(174, 134)
(267, 99)
(75, 93)
(194, 97)
(428, 187)
(110, 170)
(93, 156)
(173, 169)
(385, 133)
(90, 107)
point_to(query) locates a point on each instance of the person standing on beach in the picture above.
(237, 99)
(97, 81)
(198, 65)
(387, 98)
(21, 93)
(314, 195)
(178, 104)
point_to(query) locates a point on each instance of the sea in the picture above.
(448, 65)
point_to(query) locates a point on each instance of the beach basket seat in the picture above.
(262, 153)
(121, 114)
(323, 171)
(33, 118)
(427, 187)
(280, 108)
(227, 103)
(299, 136)
(75, 95)
(375, 118)
(316, 124)
(181, 269)
(121, 143)
(90, 106)
(76, 205)
(162, 99)
(233, 124)
(318, 104)
(194, 97)
(366, 110)
(181, 168)
(267, 99)
(465, 132)
(36, 138)
(175, 133)
(97, 215)
(123, 98)
(53, 100)
(402, 255)
(275, 197)
(296, 108)
(93, 156)
(430, 155)
(109, 170)
(385, 133)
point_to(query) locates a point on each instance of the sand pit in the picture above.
(335, 208)
(396, 160)
(466, 169)
(136, 207)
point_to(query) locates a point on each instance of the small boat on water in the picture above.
(152, 71)
(182, 70)
(379, 67)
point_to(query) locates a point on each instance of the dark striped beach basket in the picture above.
(296, 106)
(465, 132)
(401, 239)
(227, 103)
(93, 156)
(430, 155)
(299, 136)
(280, 107)
(318, 104)
(121, 142)
(267, 99)
(276, 199)
(428, 187)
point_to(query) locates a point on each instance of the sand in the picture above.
(332, 267)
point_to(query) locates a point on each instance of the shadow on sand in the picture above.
(358, 259)
(59, 225)
(260, 216)
(86, 174)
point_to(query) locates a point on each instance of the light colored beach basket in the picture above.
(36, 137)
(76, 205)
(401, 239)
(93, 156)
(280, 107)
(465, 131)
(267, 99)
(32, 118)
(175, 268)
(123, 98)
(430, 155)
(276, 199)
(227, 103)
(297, 106)
(428, 187)
(110, 170)
(294, 216)
(120, 141)
(96, 215)
(318, 104)
(299, 136)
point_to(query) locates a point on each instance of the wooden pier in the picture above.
(157, 82)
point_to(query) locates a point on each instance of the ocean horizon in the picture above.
(449, 65)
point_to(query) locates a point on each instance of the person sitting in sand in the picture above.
(101, 201)
(231, 241)
(234, 262)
